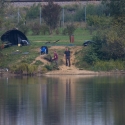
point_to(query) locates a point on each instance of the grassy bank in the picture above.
(18, 58)
(14, 56)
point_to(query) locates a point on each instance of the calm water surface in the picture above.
(62, 100)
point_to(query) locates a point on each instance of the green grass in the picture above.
(79, 36)
(14, 54)
(109, 65)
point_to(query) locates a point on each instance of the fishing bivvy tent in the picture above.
(15, 37)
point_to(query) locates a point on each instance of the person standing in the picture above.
(67, 57)
(55, 58)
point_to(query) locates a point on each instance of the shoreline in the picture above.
(70, 72)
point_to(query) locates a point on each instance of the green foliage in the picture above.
(116, 7)
(89, 56)
(70, 12)
(98, 21)
(20, 68)
(51, 15)
(33, 12)
(43, 70)
(44, 29)
(64, 31)
(77, 13)
(24, 68)
(38, 62)
(23, 27)
(36, 28)
(3, 6)
(49, 67)
(70, 29)
(32, 69)
(109, 44)
(1, 58)
(109, 65)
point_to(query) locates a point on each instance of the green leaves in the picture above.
(117, 7)
(33, 12)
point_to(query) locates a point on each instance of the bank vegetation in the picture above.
(103, 23)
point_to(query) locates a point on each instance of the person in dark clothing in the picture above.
(67, 57)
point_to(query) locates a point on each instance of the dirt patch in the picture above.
(61, 57)
(41, 58)
(63, 69)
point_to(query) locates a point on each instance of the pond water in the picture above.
(62, 100)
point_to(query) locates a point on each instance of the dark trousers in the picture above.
(68, 61)
(56, 62)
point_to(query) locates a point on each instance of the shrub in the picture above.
(64, 32)
(57, 31)
(70, 29)
(23, 27)
(49, 67)
(38, 62)
(35, 28)
(33, 12)
(24, 68)
(32, 69)
(109, 65)
(89, 56)
(44, 29)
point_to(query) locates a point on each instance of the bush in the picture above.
(64, 32)
(109, 44)
(57, 31)
(70, 28)
(49, 67)
(38, 62)
(23, 27)
(35, 28)
(89, 56)
(44, 29)
(32, 69)
(33, 12)
(109, 65)
(24, 68)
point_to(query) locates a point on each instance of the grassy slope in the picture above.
(13, 55)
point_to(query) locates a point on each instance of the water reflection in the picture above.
(65, 100)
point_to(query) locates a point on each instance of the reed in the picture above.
(109, 65)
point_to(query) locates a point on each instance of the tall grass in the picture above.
(24, 68)
(109, 65)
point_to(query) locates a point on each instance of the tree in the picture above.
(51, 15)
(116, 7)
(2, 11)
(33, 12)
